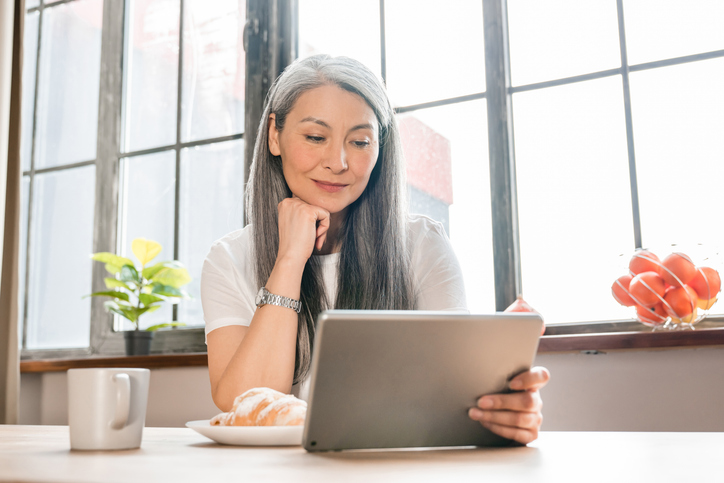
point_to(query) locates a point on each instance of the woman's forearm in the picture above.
(265, 356)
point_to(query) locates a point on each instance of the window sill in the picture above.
(578, 340)
(558, 339)
(154, 361)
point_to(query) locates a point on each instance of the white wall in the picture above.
(175, 396)
(657, 390)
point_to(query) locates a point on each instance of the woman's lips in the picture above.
(329, 187)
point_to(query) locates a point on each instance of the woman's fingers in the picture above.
(322, 227)
(516, 419)
(302, 227)
(521, 435)
(517, 415)
(533, 379)
(513, 416)
(527, 401)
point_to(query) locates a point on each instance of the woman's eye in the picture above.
(315, 139)
(361, 144)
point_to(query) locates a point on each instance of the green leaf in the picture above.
(125, 305)
(149, 272)
(148, 299)
(141, 311)
(173, 277)
(114, 263)
(110, 293)
(113, 283)
(124, 310)
(153, 308)
(130, 274)
(167, 291)
(167, 324)
(106, 257)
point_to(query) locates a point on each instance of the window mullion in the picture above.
(107, 161)
(629, 127)
(506, 245)
(270, 41)
(179, 114)
(383, 43)
(31, 184)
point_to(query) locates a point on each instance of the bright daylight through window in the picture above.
(616, 106)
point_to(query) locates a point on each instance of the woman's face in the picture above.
(328, 147)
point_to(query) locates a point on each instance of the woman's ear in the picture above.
(273, 136)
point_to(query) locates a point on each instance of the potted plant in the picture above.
(136, 291)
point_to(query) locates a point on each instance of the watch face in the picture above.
(259, 297)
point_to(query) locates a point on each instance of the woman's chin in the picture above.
(334, 207)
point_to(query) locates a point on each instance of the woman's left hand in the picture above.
(517, 415)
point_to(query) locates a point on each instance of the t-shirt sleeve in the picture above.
(227, 292)
(437, 271)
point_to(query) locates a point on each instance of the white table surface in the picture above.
(42, 454)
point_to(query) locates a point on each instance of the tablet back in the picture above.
(394, 379)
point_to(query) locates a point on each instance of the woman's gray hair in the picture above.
(374, 269)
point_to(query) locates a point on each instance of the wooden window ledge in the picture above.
(636, 340)
(552, 342)
(154, 361)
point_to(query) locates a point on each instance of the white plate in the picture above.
(249, 435)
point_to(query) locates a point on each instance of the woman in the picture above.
(329, 230)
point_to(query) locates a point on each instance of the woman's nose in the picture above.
(335, 159)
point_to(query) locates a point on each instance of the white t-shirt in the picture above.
(229, 288)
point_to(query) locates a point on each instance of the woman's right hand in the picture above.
(302, 227)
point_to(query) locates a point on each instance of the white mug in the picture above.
(107, 407)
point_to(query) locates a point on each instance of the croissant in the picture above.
(262, 406)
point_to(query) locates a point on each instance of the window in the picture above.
(417, 48)
(593, 128)
(616, 110)
(133, 127)
(181, 168)
(59, 138)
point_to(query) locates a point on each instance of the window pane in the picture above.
(212, 181)
(213, 69)
(148, 193)
(680, 156)
(31, 3)
(60, 264)
(22, 251)
(551, 39)
(446, 152)
(662, 29)
(574, 199)
(69, 76)
(429, 45)
(151, 74)
(325, 27)
(30, 56)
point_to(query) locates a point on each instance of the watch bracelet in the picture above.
(281, 301)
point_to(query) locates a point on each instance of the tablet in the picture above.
(405, 379)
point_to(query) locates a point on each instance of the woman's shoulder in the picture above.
(232, 246)
(421, 227)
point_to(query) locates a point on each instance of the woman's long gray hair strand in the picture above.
(374, 268)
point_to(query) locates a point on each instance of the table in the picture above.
(42, 454)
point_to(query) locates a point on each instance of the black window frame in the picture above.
(270, 41)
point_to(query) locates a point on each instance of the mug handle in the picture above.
(123, 400)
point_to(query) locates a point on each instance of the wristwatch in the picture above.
(265, 297)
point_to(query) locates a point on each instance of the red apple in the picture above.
(620, 292)
(647, 289)
(677, 269)
(643, 261)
